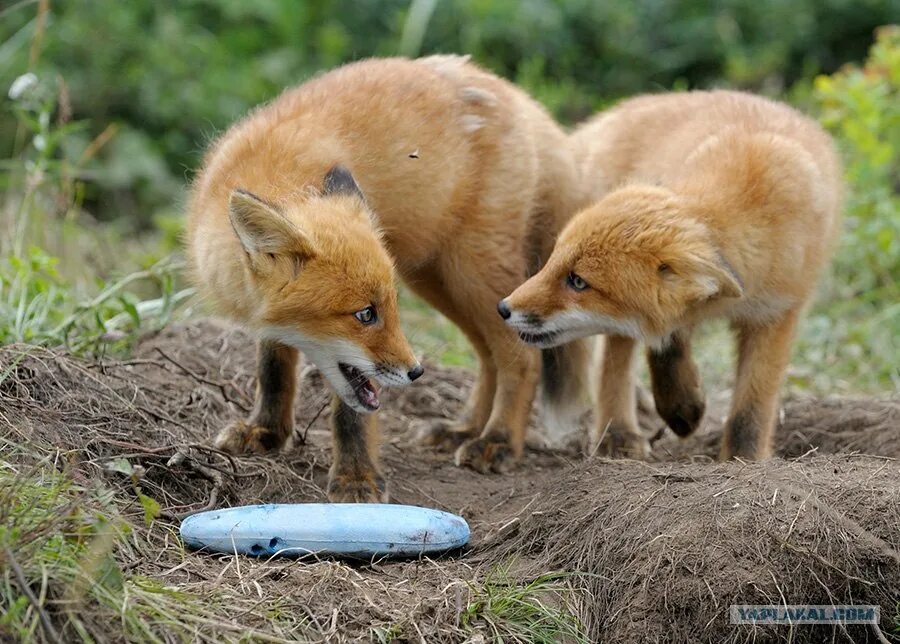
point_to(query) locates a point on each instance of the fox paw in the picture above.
(682, 415)
(486, 455)
(241, 437)
(357, 488)
(445, 434)
(620, 443)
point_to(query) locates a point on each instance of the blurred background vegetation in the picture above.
(107, 107)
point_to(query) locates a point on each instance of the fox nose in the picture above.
(503, 309)
(415, 372)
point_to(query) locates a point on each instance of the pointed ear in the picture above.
(339, 181)
(712, 278)
(263, 230)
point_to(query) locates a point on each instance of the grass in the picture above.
(511, 611)
(66, 279)
(433, 335)
(68, 548)
(65, 550)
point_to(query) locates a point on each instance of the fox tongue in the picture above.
(369, 395)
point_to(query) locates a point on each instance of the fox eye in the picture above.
(663, 268)
(575, 282)
(367, 315)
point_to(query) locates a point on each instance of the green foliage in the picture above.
(854, 331)
(861, 107)
(56, 298)
(60, 547)
(168, 75)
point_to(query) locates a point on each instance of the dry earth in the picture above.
(650, 552)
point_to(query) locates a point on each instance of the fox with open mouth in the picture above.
(306, 210)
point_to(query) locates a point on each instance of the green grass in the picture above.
(510, 611)
(432, 335)
(66, 279)
(62, 548)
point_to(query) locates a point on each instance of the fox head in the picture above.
(634, 264)
(326, 285)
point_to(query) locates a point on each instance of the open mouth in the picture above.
(364, 389)
(538, 338)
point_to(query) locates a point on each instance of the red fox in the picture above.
(303, 210)
(707, 204)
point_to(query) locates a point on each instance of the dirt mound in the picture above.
(668, 548)
(807, 426)
(644, 551)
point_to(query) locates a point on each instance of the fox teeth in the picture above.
(363, 388)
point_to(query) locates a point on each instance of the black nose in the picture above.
(503, 310)
(415, 372)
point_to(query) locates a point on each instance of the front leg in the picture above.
(617, 432)
(354, 475)
(676, 384)
(763, 355)
(270, 426)
(502, 442)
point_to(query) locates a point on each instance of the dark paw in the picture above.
(619, 442)
(745, 438)
(242, 437)
(486, 455)
(361, 487)
(445, 434)
(682, 415)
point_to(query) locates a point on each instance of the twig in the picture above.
(218, 481)
(314, 419)
(49, 630)
(204, 380)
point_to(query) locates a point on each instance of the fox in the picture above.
(305, 211)
(704, 204)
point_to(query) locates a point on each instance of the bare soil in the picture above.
(653, 551)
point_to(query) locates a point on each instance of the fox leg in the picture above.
(503, 440)
(354, 475)
(676, 386)
(763, 355)
(271, 424)
(452, 433)
(616, 431)
(477, 286)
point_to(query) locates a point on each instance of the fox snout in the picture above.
(529, 326)
(519, 319)
(397, 376)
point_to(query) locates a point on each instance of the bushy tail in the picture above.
(565, 389)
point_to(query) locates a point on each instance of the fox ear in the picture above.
(339, 181)
(263, 230)
(712, 278)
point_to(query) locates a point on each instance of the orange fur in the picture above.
(465, 183)
(707, 204)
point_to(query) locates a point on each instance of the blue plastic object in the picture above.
(363, 530)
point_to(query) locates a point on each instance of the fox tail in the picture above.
(565, 389)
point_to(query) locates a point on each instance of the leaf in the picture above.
(151, 507)
(120, 466)
(128, 303)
